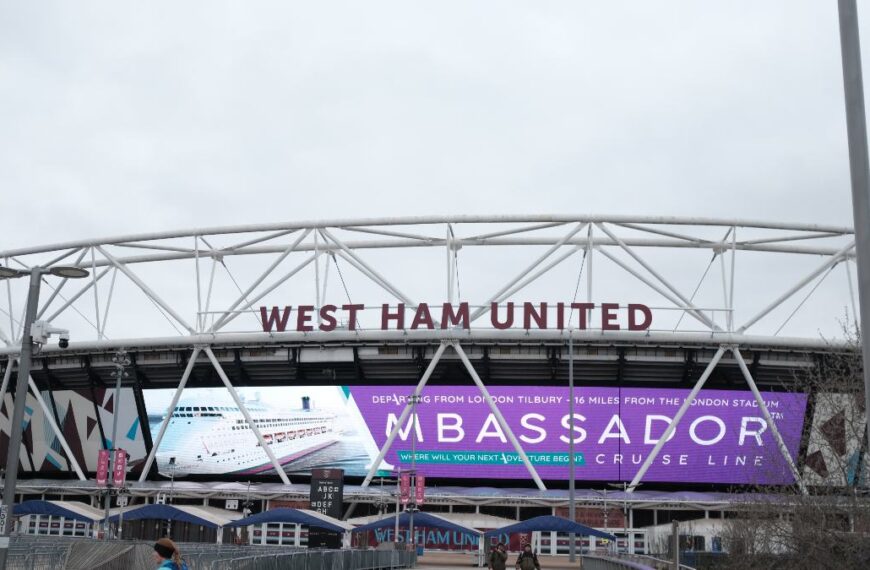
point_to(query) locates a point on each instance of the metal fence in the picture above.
(623, 560)
(657, 563)
(33, 553)
(606, 563)
(51, 553)
(321, 560)
(44, 559)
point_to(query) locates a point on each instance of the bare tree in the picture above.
(829, 527)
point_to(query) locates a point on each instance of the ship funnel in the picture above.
(306, 403)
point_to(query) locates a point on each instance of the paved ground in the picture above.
(450, 561)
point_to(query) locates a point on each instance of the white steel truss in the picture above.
(170, 411)
(292, 250)
(403, 418)
(690, 399)
(299, 246)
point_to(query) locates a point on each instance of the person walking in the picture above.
(498, 557)
(528, 560)
(167, 556)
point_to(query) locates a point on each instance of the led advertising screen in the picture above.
(723, 438)
(85, 418)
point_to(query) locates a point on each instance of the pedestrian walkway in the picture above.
(452, 561)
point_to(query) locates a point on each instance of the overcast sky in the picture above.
(130, 116)
(120, 117)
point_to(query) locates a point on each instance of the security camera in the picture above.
(40, 331)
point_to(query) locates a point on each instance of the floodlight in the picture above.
(9, 273)
(69, 272)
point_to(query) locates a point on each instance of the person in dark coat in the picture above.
(528, 560)
(498, 557)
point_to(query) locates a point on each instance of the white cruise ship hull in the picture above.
(217, 440)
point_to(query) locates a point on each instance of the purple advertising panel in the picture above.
(723, 438)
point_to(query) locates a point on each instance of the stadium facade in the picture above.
(258, 353)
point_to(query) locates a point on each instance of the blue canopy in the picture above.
(550, 524)
(287, 515)
(420, 520)
(163, 512)
(56, 509)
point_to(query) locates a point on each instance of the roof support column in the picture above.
(672, 426)
(404, 417)
(169, 411)
(223, 376)
(767, 417)
(500, 418)
(6, 376)
(50, 417)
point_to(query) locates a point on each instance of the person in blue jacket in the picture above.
(167, 555)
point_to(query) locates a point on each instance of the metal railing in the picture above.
(50, 553)
(37, 553)
(591, 562)
(647, 561)
(320, 560)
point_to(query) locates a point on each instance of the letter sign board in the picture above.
(119, 468)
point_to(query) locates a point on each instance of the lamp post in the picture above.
(398, 506)
(171, 490)
(24, 361)
(856, 131)
(572, 507)
(624, 487)
(121, 361)
(415, 399)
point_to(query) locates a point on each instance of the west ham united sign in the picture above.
(542, 316)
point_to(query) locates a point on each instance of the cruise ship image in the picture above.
(213, 438)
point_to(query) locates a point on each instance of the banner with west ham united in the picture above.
(723, 438)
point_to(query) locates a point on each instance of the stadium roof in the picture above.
(297, 516)
(550, 524)
(73, 510)
(421, 519)
(206, 516)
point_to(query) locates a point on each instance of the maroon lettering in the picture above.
(303, 317)
(328, 322)
(535, 316)
(274, 320)
(422, 317)
(608, 315)
(633, 325)
(352, 310)
(454, 318)
(530, 313)
(387, 316)
(509, 319)
(582, 309)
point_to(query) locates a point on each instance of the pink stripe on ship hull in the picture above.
(285, 460)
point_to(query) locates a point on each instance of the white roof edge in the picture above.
(702, 339)
(425, 220)
(326, 518)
